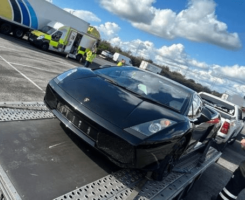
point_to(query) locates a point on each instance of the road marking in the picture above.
(35, 52)
(22, 74)
(35, 68)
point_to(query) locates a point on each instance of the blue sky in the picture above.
(203, 39)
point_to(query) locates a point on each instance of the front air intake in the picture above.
(115, 147)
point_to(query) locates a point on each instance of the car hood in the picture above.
(38, 33)
(113, 103)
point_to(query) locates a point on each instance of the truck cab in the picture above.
(64, 39)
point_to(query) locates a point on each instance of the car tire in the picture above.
(169, 162)
(79, 58)
(6, 28)
(45, 46)
(19, 33)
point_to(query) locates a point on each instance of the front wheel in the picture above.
(79, 58)
(6, 28)
(45, 46)
(170, 160)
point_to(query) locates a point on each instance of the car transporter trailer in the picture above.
(41, 159)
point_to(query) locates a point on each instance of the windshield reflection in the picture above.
(148, 85)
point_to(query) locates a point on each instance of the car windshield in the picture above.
(219, 105)
(149, 86)
(48, 30)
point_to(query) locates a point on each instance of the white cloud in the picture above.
(137, 11)
(51, 1)
(197, 22)
(83, 14)
(230, 72)
(108, 30)
(219, 83)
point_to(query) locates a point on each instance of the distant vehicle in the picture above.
(117, 57)
(64, 39)
(106, 55)
(19, 17)
(136, 118)
(150, 67)
(231, 118)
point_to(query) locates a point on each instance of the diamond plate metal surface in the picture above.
(16, 111)
(119, 185)
(107, 187)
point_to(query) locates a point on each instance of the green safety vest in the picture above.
(90, 56)
(120, 64)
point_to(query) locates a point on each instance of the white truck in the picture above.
(41, 159)
(150, 67)
(231, 118)
(117, 57)
(21, 16)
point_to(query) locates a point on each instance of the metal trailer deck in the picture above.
(42, 159)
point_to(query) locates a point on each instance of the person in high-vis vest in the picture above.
(121, 63)
(91, 55)
(236, 183)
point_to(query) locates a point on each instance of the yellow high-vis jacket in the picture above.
(90, 56)
(120, 64)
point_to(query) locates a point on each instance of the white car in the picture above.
(106, 54)
(231, 118)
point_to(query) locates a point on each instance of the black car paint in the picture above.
(119, 110)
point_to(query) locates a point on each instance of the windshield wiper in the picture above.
(107, 78)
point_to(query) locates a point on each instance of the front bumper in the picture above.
(33, 39)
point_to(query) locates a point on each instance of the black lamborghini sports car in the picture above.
(136, 118)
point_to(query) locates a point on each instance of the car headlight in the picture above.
(40, 37)
(61, 77)
(150, 128)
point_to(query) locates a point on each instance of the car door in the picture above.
(71, 41)
(203, 120)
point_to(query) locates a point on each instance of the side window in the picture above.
(64, 31)
(56, 36)
(196, 107)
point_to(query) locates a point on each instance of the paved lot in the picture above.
(26, 70)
